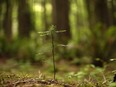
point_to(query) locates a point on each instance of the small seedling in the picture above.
(51, 32)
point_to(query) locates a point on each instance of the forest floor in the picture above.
(14, 74)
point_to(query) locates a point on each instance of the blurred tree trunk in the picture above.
(7, 21)
(25, 23)
(113, 11)
(61, 18)
(102, 13)
(0, 16)
(91, 13)
(99, 17)
(98, 13)
(44, 14)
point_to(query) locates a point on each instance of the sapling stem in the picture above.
(51, 32)
(53, 51)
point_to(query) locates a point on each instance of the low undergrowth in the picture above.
(85, 76)
(13, 80)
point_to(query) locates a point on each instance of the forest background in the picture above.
(90, 36)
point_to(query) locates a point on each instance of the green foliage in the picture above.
(103, 41)
(87, 72)
(95, 43)
(19, 49)
(112, 85)
(84, 46)
(88, 75)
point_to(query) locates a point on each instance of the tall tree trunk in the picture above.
(91, 13)
(102, 13)
(98, 14)
(113, 11)
(7, 23)
(45, 22)
(0, 16)
(61, 18)
(24, 19)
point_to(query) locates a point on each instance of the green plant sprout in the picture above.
(51, 32)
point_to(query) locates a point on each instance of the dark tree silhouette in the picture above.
(61, 18)
(98, 15)
(7, 22)
(25, 23)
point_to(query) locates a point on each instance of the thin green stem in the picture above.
(52, 37)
